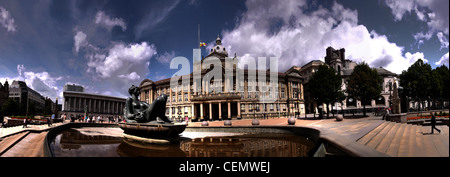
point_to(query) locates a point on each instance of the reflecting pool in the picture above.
(109, 142)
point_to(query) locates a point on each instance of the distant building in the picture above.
(29, 100)
(73, 88)
(4, 93)
(77, 102)
(336, 60)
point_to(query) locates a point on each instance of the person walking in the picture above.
(25, 121)
(433, 123)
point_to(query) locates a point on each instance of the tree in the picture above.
(439, 89)
(10, 107)
(417, 81)
(325, 86)
(364, 84)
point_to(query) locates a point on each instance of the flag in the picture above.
(202, 44)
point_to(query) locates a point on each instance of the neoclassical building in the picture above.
(216, 102)
(78, 102)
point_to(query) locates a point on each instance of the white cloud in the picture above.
(166, 57)
(79, 41)
(400, 7)
(121, 65)
(131, 76)
(443, 60)
(109, 22)
(42, 82)
(305, 36)
(443, 40)
(434, 12)
(6, 20)
(122, 59)
(156, 15)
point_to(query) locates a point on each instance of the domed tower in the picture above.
(218, 49)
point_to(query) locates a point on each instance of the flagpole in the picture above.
(198, 43)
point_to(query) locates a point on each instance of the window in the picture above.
(242, 107)
(185, 96)
(179, 98)
(295, 94)
(250, 107)
(282, 93)
(173, 98)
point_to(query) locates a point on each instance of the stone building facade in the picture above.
(79, 103)
(217, 103)
(29, 100)
(336, 60)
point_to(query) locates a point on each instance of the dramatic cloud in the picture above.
(433, 12)
(42, 82)
(443, 40)
(443, 60)
(79, 41)
(157, 13)
(283, 30)
(121, 65)
(122, 59)
(6, 20)
(166, 57)
(109, 22)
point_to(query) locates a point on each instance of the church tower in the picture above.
(334, 59)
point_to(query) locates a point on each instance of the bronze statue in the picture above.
(136, 111)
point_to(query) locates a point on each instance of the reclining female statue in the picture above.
(136, 111)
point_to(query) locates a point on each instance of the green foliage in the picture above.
(421, 83)
(325, 85)
(417, 80)
(364, 84)
(10, 107)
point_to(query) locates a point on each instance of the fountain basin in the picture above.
(153, 133)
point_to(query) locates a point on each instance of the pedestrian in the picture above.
(49, 123)
(25, 123)
(433, 123)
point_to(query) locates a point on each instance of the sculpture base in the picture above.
(153, 133)
(168, 140)
(399, 118)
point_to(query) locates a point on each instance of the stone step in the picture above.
(373, 143)
(30, 146)
(10, 141)
(365, 139)
(404, 147)
(387, 140)
(392, 149)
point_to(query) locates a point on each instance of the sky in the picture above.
(109, 45)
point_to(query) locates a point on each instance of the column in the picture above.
(192, 112)
(229, 110)
(69, 99)
(94, 108)
(220, 111)
(85, 105)
(210, 111)
(104, 106)
(89, 105)
(239, 109)
(201, 110)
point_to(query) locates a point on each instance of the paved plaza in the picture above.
(392, 139)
